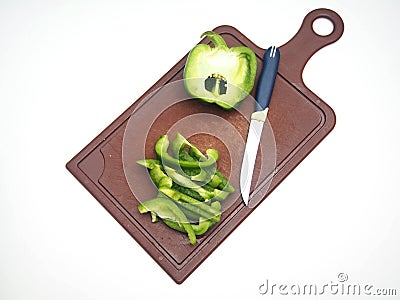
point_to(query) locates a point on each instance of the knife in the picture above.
(265, 87)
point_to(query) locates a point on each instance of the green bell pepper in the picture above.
(220, 75)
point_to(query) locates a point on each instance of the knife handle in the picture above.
(266, 81)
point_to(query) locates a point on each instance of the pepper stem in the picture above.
(215, 38)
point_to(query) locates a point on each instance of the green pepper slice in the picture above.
(167, 210)
(220, 75)
(166, 159)
(192, 204)
(200, 228)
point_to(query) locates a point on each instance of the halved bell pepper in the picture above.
(220, 75)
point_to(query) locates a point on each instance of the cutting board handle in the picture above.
(297, 51)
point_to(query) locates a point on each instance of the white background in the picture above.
(69, 68)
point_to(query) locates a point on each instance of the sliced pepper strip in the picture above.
(162, 153)
(180, 142)
(167, 210)
(159, 178)
(188, 183)
(198, 229)
(179, 145)
(194, 205)
(217, 180)
(148, 163)
(189, 214)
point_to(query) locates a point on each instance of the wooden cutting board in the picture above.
(297, 121)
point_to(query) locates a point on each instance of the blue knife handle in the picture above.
(267, 78)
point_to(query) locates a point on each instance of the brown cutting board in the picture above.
(298, 121)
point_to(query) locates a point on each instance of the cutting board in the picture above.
(297, 121)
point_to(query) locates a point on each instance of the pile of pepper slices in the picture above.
(190, 188)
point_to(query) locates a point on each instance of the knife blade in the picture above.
(264, 90)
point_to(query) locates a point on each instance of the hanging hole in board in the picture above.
(323, 26)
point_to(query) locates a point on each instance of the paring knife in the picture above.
(265, 87)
